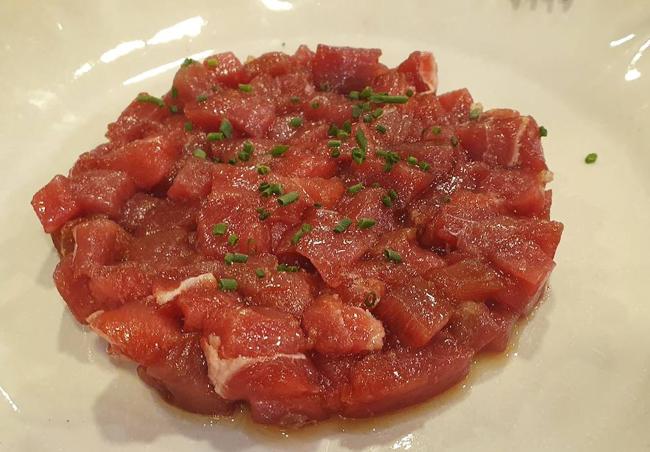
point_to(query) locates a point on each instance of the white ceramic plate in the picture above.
(579, 378)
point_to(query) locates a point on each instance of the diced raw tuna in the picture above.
(343, 69)
(74, 290)
(193, 181)
(421, 70)
(336, 328)
(469, 279)
(103, 191)
(472, 325)
(98, 243)
(139, 120)
(115, 285)
(55, 204)
(457, 105)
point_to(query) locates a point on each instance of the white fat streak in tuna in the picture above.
(377, 333)
(165, 296)
(221, 371)
(515, 152)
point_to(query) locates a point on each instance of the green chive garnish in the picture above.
(436, 130)
(294, 99)
(342, 225)
(219, 229)
(380, 128)
(409, 92)
(385, 199)
(335, 153)
(542, 131)
(214, 136)
(268, 190)
(295, 122)
(347, 126)
(356, 111)
(173, 108)
(591, 158)
(334, 143)
(367, 118)
(304, 229)
(226, 128)
(365, 93)
(263, 169)
(260, 273)
(147, 98)
(231, 258)
(201, 97)
(288, 198)
(354, 95)
(233, 239)
(356, 188)
(358, 155)
(174, 92)
(424, 166)
(288, 268)
(227, 284)
(315, 105)
(474, 113)
(279, 149)
(411, 160)
(392, 255)
(362, 141)
(245, 88)
(212, 62)
(386, 99)
(188, 126)
(393, 194)
(199, 153)
(187, 62)
(262, 213)
(342, 134)
(365, 223)
(377, 113)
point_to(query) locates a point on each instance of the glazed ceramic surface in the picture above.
(577, 377)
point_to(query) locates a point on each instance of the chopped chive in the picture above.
(387, 99)
(543, 131)
(392, 255)
(318, 205)
(174, 92)
(315, 104)
(385, 199)
(199, 153)
(212, 62)
(219, 229)
(356, 111)
(245, 88)
(294, 99)
(393, 194)
(354, 189)
(365, 107)
(380, 128)
(454, 141)
(226, 128)
(233, 239)
(334, 143)
(390, 157)
(279, 149)
(214, 136)
(367, 118)
(263, 169)
(227, 284)
(411, 160)
(247, 151)
(332, 131)
(354, 95)
(147, 98)
(288, 198)
(365, 223)
(377, 113)
(424, 166)
(260, 273)
(215, 88)
(365, 93)
(409, 92)
(304, 229)
(336, 153)
(295, 122)
(173, 108)
(270, 189)
(232, 161)
(362, 141)
(342, 225)
(287, 268)
(474, 113)
(347, 126)
(342, 134)
(436, 130)
(262, 213)
(358, 155)
(235, 258)
(201, 97)
(187, 61)
(591, 158)
(188, 126)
